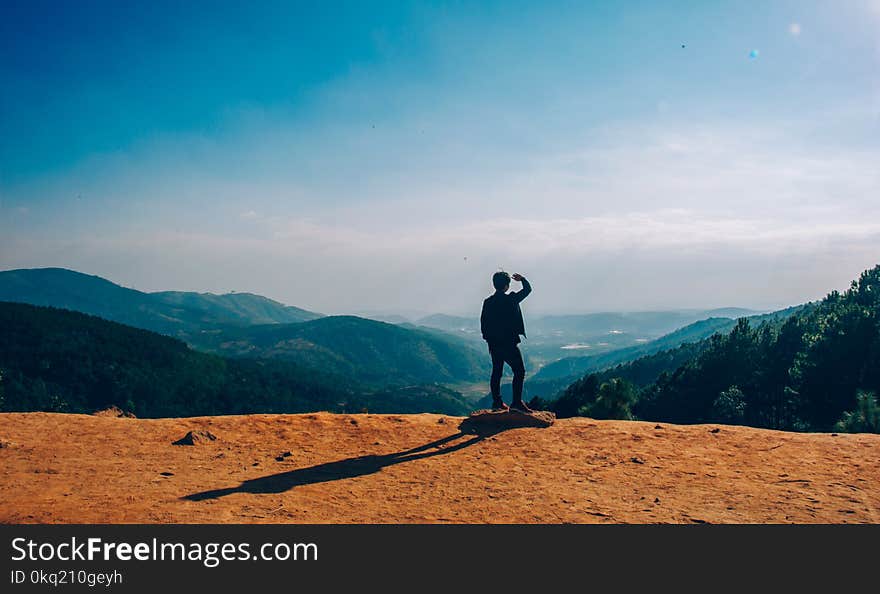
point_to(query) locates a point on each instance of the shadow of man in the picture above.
(342, 469)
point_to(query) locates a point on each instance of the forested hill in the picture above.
(692, 333)
(175, 313)
(372, 351)
(246, 325)
(816, 371)
(58, 360)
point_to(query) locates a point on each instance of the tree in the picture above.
(864, 419)
(614, 401)
(578, 395)
(538, 403)
(730, 406)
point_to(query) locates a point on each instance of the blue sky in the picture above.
(390, 156)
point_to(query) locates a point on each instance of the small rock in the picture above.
(287, 454)
(658, 426)
(255, 464)
(656, 500)
(834, 435)
(488, 422)
(714, 430)
(167, 473)
(114, 411)
(636, 460)
(5, 444)
(195, 437)
(353, 422)
(441, 421)
(279, 458)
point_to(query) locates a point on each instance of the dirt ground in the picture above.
(317, 468)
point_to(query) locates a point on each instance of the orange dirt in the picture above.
(60, 468)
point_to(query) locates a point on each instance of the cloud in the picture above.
(664, 258)
(794, 29)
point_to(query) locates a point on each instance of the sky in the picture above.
(390, 156)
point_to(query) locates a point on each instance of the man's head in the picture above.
(501, 281)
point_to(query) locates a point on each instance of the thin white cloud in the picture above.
(637, 260)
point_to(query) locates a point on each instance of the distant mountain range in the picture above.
(298, 359)
(649, 358)
(646, 324)
(175, 313)
(59, 360)
(810, 368)
(570, 367)
(245, 325)
(437, 348)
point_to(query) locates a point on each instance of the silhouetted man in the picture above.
(501, 323)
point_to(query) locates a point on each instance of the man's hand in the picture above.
(517, 276)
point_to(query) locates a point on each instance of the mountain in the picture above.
(640, 364)
(450, 323)
(241, 308)
(555, 337)
(576, 366)
(574, 326)
(372, 351)
(731, 312)
(59, 360)
(812, 368)
(388, 318)
(246, 325)
(697, 331)
(172, 312)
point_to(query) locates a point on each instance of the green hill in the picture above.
(372, 351)
(570, 368)
(813, 368)
(575, 366)
(245, 325)
(241, 308)
(58, 360)
(173, 313)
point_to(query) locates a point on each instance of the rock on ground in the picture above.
(195, 438)
(486, 420)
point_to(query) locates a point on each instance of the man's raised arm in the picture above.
(526, 287)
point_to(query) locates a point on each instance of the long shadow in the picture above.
(341, 469)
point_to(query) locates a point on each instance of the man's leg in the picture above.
(515, 360)
(495, 379)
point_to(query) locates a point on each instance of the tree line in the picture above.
(818, 370)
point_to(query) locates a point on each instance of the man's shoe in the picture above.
(499, 405)
(520, 406)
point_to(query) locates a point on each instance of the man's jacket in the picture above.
(501, 321)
